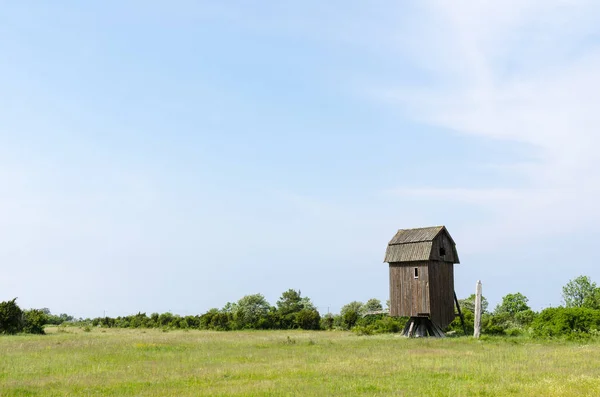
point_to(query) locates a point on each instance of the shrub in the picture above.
(139, 320)
(457, 327)
(525, 318)
(364, 329)
(11, 317)
(308, 319)
(249, 310)
(349, 319)
(372, 305)
(193, 321)
(165, 319)
(370, 319)
(327, 321)
(379, 324)
(496, 324)
(220, 321)
(469, 304)
(206, 319)
(513, 304)
(34, 321)
(566, 322)
(295, 311)
(350, 314)
(390, 324)
(581, 292)
(513, 332)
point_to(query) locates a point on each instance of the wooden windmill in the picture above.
(421, 263)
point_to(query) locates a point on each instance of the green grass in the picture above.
(290, 363)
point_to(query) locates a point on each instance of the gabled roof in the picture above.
(418, 235)
(420, 244)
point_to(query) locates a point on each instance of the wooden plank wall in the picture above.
(442, 240)
(409, 296)
(441, 290)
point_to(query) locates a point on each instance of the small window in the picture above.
(442, 251)
(416, 272)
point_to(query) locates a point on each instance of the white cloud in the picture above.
(525, 72)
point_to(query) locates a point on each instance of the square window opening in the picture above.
(442, 251)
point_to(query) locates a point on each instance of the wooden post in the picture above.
(462, 318)
(477, 330)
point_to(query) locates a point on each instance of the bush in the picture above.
(294, 311)
(364, 329)
(525, 318)
(139, 320)
(308, 319)
(513, 304)
(327, 321)
(496, 324)
(34, 321)
(349, 318)
(582, 292)
(249, 310)
(370, 319)
(566, 322)
(220, 321)
(11, 317)
(456, 324)
(379, 324)
(370, 306)
(390, 324)
(513, 332)
(165, 319)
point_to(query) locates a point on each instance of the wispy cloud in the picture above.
(524, 72)
(460, 194)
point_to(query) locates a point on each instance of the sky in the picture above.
(176, 156)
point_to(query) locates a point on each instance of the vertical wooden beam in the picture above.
(462, 318)
(477, 330)
(410, 329)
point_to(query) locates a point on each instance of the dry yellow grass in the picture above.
(289, 363)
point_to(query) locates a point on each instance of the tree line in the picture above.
(579, 317)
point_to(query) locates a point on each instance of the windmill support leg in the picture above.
(418, 327)
(462, 317)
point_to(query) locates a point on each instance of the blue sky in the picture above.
(160, 157)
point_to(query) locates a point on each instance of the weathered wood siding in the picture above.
(409, 296)
(442, 240)
(441, 291)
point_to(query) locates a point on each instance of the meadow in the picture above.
(150, 362)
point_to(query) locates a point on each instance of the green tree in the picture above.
(249, 310)
(570, 322)
(229, 308)
(469, 304)
(581, 292)
(290, 302)
(350, 313)
(166, 319)
(327, 321)
(372, 305)
(308, 319)
(11, 317)
(512, 304)
(295, 311)
(34, 321)
(355, 306)
(510, 317)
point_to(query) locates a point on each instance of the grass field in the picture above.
(289, 363)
